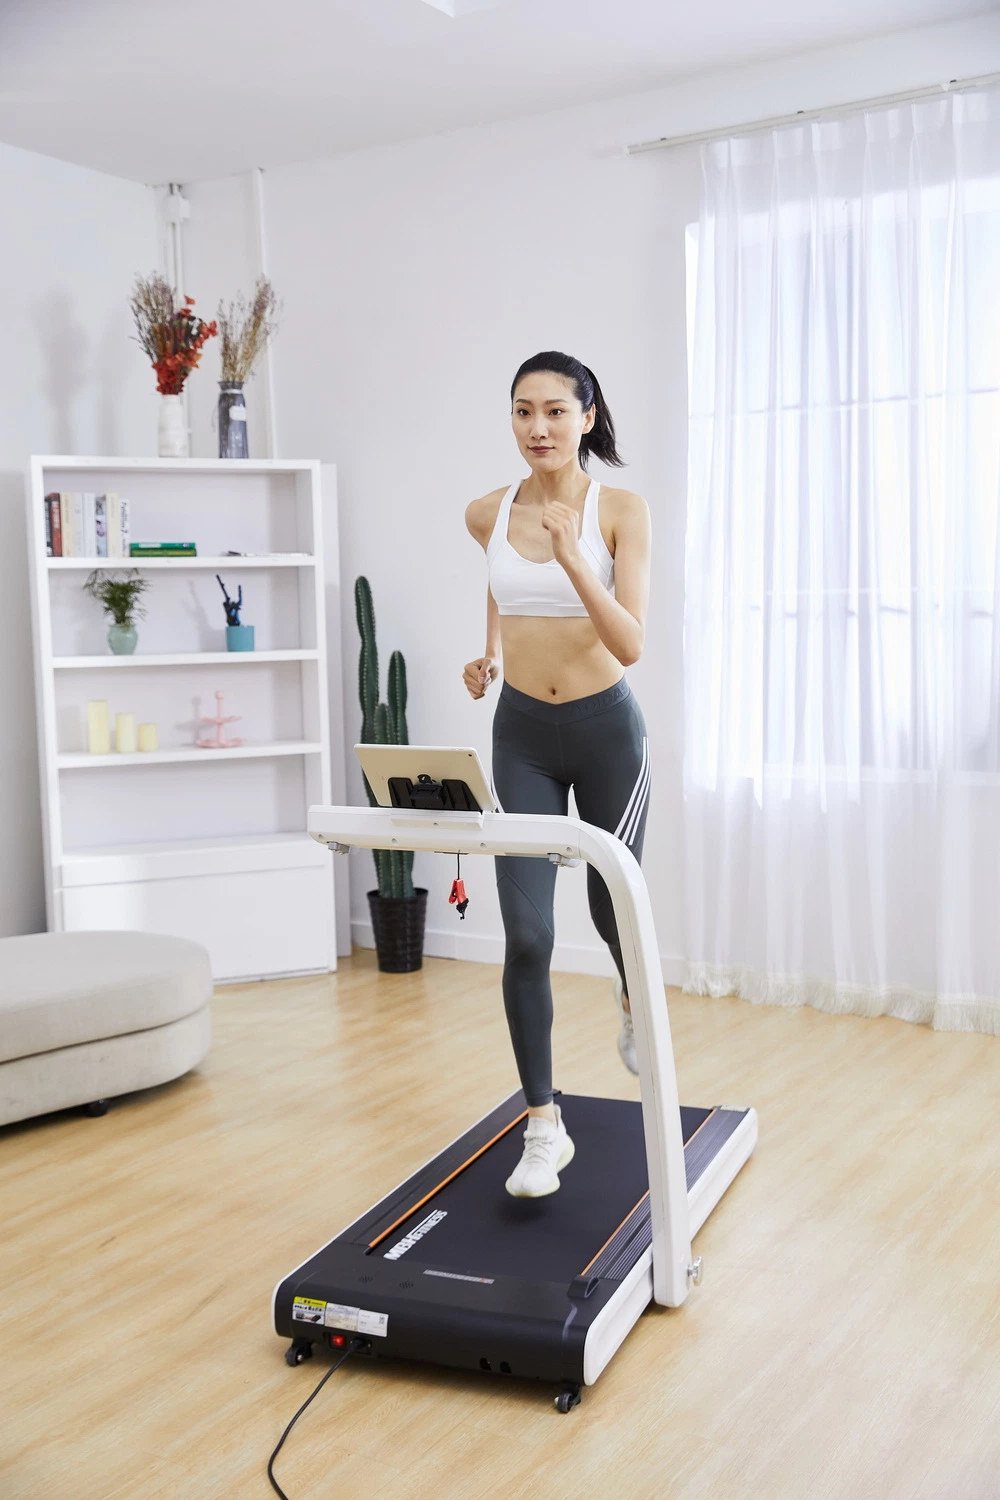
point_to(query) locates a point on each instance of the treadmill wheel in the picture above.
(298, 1351)
(566, 1400)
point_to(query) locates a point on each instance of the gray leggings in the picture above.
(597, 746)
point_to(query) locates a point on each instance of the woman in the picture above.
(568, 567)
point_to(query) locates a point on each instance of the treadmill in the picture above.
(448, 1268)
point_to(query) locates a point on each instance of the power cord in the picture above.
(353, 1347)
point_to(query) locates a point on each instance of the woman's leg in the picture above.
(524, 761)
(611, 787)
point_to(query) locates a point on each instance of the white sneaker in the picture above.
(626, 1035)
(547, 1149)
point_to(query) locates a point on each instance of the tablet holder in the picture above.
(432, 796)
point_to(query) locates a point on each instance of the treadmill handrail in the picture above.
(571, 838)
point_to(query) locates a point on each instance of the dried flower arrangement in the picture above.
(171, 336)
(245, 328)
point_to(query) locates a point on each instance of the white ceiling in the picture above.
(181, 90)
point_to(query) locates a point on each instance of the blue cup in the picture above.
(239, 637)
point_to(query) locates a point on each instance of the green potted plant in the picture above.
(398, 910)
(119, 596)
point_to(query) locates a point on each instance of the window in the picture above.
(844, 480)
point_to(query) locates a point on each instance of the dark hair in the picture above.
(600, 440)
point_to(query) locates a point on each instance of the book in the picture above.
(66, 512)
(48, 526)
(89, 526)
(113, 523)
(56, 525)
(124, 525)
(79, 531)
(155, 549)
(101, 525)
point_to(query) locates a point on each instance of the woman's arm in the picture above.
(620, 622)
(478, 674)
(492, 626)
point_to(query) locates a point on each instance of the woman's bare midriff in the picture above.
(556, 659)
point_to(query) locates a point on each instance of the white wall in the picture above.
(416, 278)
(70, 382)
(423, 278)
(220, 259)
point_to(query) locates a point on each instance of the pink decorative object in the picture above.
(220, 742)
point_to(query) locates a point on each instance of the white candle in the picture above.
(98, 729)
(148, 738)
(125, 734)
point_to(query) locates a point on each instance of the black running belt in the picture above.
(635, 1235)
(487, 1232)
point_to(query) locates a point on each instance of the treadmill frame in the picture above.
(568, 840)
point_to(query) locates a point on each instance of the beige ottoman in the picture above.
(88, 1015)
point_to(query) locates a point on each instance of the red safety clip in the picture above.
(458, 897)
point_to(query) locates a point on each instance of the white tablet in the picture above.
(440, 762)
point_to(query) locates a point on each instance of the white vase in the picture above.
(172, 429)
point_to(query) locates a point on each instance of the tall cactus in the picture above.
(382, 724)
(397, 699)
(368, 660)
(399, 735)
(364, 610)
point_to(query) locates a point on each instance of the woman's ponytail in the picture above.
(600, 440)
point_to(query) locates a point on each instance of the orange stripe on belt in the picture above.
(450, 1178)
(642, 1200)
(701, 1127)
(611, 1236)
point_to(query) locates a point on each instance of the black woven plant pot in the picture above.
(398, 925)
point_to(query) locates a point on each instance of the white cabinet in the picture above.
(208, 844)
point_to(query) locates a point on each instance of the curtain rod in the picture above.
(802, 116)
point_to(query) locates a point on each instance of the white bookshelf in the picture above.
(208, 844)
(179, 659)
(176, 565)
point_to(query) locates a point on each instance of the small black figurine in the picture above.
(231, 606)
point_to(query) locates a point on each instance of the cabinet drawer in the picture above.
(254, 923)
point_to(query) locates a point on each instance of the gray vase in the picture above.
(122, 639)
(233, 442)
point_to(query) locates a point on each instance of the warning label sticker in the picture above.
(307, 1310)
(356, 1320)
(338, 1315)
(373, 1323)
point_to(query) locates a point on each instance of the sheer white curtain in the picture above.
(842, 616)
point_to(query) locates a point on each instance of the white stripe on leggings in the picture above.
(636, 790)
(640, 807)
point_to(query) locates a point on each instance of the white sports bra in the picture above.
(523, 587)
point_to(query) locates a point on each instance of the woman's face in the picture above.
(548, 421)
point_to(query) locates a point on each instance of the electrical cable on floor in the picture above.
(353, 1348)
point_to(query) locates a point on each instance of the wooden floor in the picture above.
(845, 1342)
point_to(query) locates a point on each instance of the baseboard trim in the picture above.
(481, 948)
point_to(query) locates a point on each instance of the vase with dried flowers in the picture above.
(119, 595)
(172, 337)
(245, 327)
